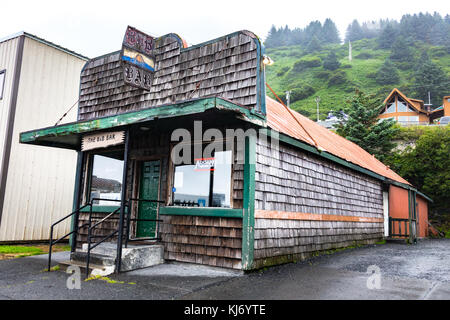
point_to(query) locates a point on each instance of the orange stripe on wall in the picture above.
(284, 215)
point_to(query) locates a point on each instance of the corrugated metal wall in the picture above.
(8, 51)
(40, 184)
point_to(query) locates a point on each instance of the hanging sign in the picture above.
(102, 140)
(138, 60)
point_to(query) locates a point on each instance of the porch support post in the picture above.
(122, 203)
(248, 221)
(76, 200)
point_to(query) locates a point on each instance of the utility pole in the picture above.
(288, 97)
(349, 51)
(317, 103)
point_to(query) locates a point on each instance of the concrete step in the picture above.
(134, 257)
(95, 258)
(94, 269)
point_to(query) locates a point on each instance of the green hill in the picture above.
(304, 74)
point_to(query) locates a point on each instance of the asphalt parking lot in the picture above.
(411, 272)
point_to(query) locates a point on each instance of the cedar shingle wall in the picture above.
(226, 68)
(300, 182)
(278, 241)
(205, 240)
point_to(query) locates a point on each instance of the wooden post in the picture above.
(248, 222)
(76, 200)
(122, 202)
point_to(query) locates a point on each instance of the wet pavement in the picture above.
(403, 271)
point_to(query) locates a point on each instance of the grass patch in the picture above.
(20, 249)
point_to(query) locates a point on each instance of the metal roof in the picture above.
(51, 44)
(300, 127)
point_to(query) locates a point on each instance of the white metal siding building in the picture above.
(40, 83)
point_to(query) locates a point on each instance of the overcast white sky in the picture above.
(94, 27)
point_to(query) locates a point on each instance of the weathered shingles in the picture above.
(225, 68)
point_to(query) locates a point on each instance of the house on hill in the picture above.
(408, 111)
(198, 126)
(39, 82)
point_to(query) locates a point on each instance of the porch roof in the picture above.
(69, 135)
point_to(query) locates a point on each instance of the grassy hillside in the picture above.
(304, 74)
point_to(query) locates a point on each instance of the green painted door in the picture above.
(149, 187)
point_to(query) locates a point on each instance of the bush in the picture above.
(306, 63)
(301, 93)
(364, 56)
(339, 77)
(282, 72)
(325, 75)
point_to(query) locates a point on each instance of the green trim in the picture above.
(205, 212)
(50, 136)
(248, 222)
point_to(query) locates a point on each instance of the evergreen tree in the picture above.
(387, 74)
(272, 39)
(354, 32)
(314, 45)
(330, 32)
(362, 126)
(387, 37)
(429, 77)
(401, 50)
(331, 62)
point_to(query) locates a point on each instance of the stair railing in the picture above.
(74, 231)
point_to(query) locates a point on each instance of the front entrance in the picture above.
(149, 190)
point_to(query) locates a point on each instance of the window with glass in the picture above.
(390, 108)
(413, 119)
(2, 82)
(205, 182)
(401, 106)
(106, 180)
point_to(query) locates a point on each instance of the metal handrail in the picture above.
(51, 243)
(91, 227)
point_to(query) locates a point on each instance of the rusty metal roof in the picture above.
(300, 127)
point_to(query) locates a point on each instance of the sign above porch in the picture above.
(102, 140)
(138, 61)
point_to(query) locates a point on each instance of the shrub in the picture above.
(301, 93)
(282, 72)
(306, 63)
(339, 77)
(364, 55)
(323, 75)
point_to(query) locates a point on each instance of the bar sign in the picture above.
(102, 140)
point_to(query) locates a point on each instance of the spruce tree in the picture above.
(331, 62)
(330, 32)
(387, 74)
(429, 77)
(387, 37)
(363, 128)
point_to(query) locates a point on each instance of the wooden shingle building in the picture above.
(195, 158)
